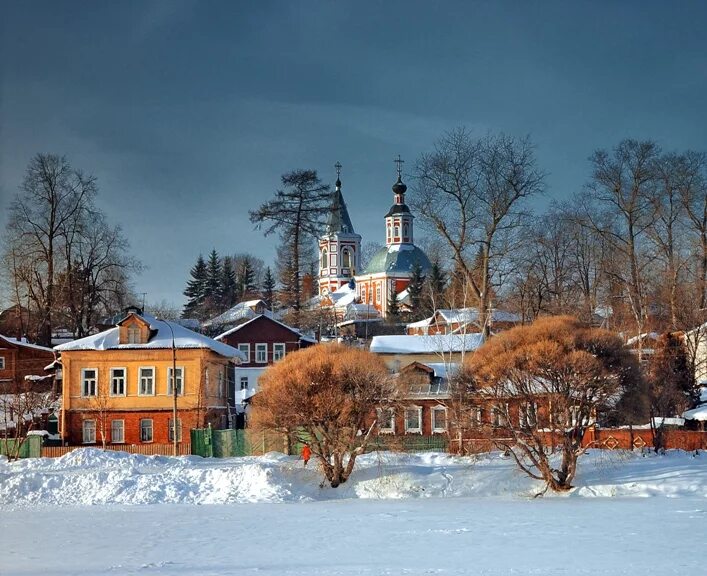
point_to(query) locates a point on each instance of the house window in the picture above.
(527, 415)
(244, 382)
(221, 381)
(245, 348)
(2, 363)
(133, 334)
(500, 415)
(261, 353)
(477, 415)
(117, 381)
(346, 258)
(325, 258)
(147, 382)
(386, 420)
(146, 430)
(179, 430)
(413, 420)
(278, 352)
(439, 419)
(117, 431)
(89, 431)
(89, 382)
(180, 381)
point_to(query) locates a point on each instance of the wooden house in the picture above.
(118, 384)
(399, 351)
(461, 320)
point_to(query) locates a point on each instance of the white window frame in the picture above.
(524, 415)
(2, 362)
(378, 293)
(278, 351)
(258, 349)
(180, 380)
(124, 378)
(386, 429)
(139, 380)
(477, 416)
(346, 258)
(170, 430)
(221, 381)
(84, 380)
(122, 431)
(409, 430)
(324, 260)
(245, 348)
(86, 426)
(247, 382)
(433, 424)
(501, 416)
(151, 428)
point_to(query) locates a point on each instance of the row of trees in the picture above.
(64, 264)
(216, 284)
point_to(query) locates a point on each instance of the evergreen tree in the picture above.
(415, 291)
(212, 301)
(297, 212)
(196, 289)
(393, 313)
(435, 285)
(246, 278)
(268, 293)
(228, 284)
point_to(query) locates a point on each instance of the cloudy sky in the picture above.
(188, 113)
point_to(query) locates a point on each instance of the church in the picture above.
(389, 270)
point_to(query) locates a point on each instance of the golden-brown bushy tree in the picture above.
(327, 395)
(546, 382)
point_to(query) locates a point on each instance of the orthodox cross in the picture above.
(400, 163)
(338, 169)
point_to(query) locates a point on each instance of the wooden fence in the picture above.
(184, 449)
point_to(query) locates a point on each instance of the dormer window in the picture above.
(133, 334)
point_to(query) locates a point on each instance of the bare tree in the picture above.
(472, 193)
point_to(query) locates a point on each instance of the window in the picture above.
(278, 352)
(500, 415)
(89, 382)
(117, 381)
(527, 415)
(245, 348)
(244, 382)
(179, 430)
(413, 420)
(378, 293)
(477, 415)
(133, 334)
(117, 431)
(363, 294)
(386, 420)
(346, 258)
(325, 258)
(180, 381)
(405, 230)
(147, 382)
(89, 431)
(396, 231)
(261, 353)
(221, 381)
(146, 430)
(2, 362)
(439, 419)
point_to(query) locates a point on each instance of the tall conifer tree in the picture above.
(196, 289)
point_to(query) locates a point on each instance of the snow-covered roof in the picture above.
(439, 369)
(290, 328)
(464, 316)
(246, 310)
(644, 336)
(699, 413)
(160, 339)
(433, 344)
(25, 344)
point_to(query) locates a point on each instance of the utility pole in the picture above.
(175, 446)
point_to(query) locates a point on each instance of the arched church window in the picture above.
(346, 258)
(325, 258)
(396, 231)
(405, 230)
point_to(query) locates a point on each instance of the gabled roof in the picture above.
(290, 328)
(161, 333)
(241, 311)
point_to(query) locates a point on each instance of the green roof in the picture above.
(400, 261)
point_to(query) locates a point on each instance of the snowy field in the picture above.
(109, 513)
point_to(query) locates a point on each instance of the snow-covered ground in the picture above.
(95, 513)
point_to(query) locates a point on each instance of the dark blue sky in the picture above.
(189, 112)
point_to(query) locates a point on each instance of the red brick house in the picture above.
(19, 359)
(263, 341)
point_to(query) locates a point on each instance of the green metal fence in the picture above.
(30, 447)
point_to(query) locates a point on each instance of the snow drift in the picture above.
(90, 476)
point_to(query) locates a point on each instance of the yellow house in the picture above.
(118, 383)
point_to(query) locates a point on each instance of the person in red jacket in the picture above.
(306, 453)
